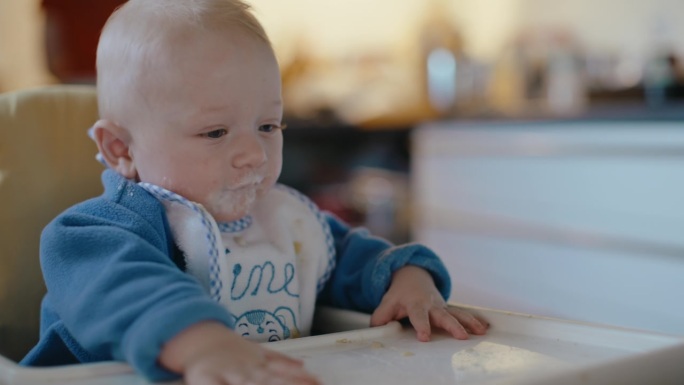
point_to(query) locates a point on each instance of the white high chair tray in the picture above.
(518, 349)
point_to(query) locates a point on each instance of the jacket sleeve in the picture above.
(118, 293)
(364, 267)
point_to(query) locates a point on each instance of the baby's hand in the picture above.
(413, 294)
(211, 354)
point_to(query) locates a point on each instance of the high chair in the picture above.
(47, 163)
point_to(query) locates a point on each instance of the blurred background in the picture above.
(536, 144)
(384, 62)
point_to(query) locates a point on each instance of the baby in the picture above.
(193, 253)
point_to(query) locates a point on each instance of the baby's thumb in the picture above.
(277, 356)
(382, 315)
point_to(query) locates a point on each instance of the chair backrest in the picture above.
(47, 163)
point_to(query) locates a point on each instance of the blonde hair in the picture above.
(137, 32)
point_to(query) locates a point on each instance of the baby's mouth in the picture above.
(249, 182)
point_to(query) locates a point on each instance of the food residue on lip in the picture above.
(377, 345)
(343, 341)
(408, 354)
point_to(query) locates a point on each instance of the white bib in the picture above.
(266, 268)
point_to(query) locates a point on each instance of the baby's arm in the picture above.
(393, 282)
(210, 353)
(120, 297)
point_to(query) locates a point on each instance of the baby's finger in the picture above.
(270, 373)
(443, 319)
(474, 324)
(383, 314)
(203, 378)
(285, 359)
(420, 319)
(284, 368)
(288, 375)
(483, 321)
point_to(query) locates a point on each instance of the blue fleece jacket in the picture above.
(116, 292)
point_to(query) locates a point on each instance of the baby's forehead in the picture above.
(144, 48)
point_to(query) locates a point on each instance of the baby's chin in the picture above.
(222, 215)
(231, 206)
(228, 217)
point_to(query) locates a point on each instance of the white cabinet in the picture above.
(578, 220)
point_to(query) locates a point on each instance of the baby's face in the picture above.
(212, 133)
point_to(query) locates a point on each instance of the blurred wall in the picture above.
(22, 57)
(334, 27)
(338, 27)
(630, 25)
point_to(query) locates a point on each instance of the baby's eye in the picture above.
(215, 134)
(271, 127)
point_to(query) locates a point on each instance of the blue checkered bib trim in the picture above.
(215, 282)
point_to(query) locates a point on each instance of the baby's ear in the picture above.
(113, 143)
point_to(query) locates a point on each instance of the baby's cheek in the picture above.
(265, 186)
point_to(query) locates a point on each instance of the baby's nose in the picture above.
(250, 151)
